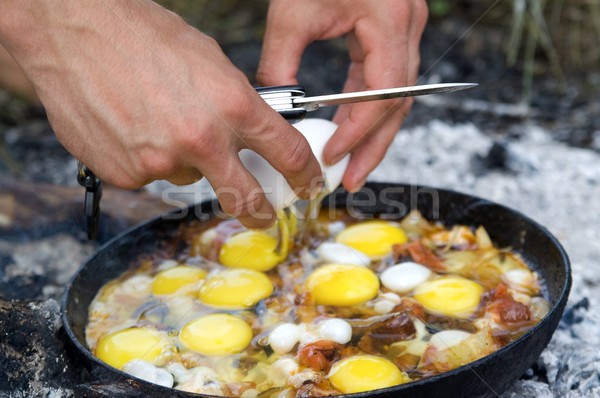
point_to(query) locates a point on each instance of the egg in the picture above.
(216, 334)
(170, 280)
(448, 338)
(118, 348)
(451, 295)
(373, 238)
(335, 329)
(235, 288)
(332, 252)
(342, 284)
(364, 373)
(284, 337)
(147, 371)
(250, 249)
(404, 277)
(317, 132)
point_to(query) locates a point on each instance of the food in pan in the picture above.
(345, 306)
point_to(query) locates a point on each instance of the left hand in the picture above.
(383, 42)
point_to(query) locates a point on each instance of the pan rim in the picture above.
(558, 306)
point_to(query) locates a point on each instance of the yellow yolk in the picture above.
(235, 288)
(453, 296)
(365, 373)
(342, 284)
(252, 250)
(216, 334)
(374, 238)
(118, 348)
(170, 280)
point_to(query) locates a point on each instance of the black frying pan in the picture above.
(488, 376)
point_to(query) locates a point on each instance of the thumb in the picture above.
(283, 45)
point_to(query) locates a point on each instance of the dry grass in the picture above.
(557, 36)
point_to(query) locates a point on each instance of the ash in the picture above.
(542, 159)
(556, 185)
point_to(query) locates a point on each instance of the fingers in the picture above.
(377, 62)
(239, 193)
(286, 149)
(282, 47)
(367, 156)
(291, 26)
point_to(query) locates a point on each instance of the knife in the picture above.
(293, 105)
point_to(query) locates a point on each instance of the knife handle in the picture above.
(280, 98)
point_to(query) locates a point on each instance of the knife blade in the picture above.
(292, 104)
(314, 103)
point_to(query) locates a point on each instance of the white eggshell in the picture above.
(146, 371)
(284, 337)
(404, 277)
(317, 132)
(276, 188)
(448, 338)
(342, 254)
(335, 329)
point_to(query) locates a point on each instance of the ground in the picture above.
(537, 151)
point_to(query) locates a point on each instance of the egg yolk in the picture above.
(235, 288)
(118, 348)
(342, 284)
(374, 238)
(252, 250)
(216, 334)
(452, 296)
(170, 280)
(364, 373)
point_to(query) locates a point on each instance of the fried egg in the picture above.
(335, 329)
(250, 249)
(404, 277)
(373, 238)
(451, 295)
(365, 372)
(340, 253)
(216, 334)
(118, 348)
(147, 371)
(448, 338)
(284, 337)
(342, 284)
(172, 279)
(235, 288)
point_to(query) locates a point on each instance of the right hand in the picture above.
(138, 95)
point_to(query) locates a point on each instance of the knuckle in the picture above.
(241, 203)
(156, 163)
(297, 156)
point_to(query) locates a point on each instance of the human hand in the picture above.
(383, 43)
(138, 95)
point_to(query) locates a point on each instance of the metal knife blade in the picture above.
(314, 103)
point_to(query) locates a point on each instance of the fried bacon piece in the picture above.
(505, 310)
(306, 310)
(316, 388)
(398, 327)
(412, 306)
(406, 362)
(235, 389)
(320, 355)
(419, 253)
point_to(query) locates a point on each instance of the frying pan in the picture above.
(488, 376)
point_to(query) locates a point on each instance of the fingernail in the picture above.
(337, 158)
(317, 189)
(359, 185)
